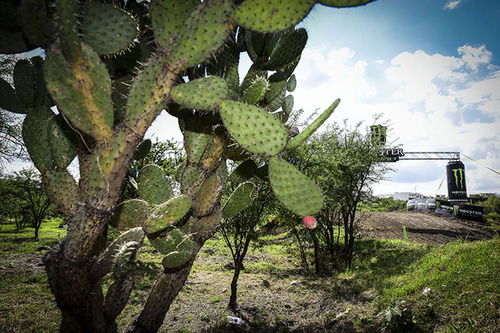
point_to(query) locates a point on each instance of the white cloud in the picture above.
(451, 4)
(434, 102)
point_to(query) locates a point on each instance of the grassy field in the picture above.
(393, 286)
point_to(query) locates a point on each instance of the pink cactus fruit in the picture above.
(309, 222)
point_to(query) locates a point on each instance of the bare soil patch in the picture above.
(421, 227)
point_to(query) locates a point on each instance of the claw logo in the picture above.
(458, 174)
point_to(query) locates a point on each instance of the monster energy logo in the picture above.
(458, 174)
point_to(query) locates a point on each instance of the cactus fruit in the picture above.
(168, 213)
(176, 245)
(243, 172)
(57, 182)
(8, 98)
(344, 3)
(296, 191)
(271, 15)
(61, 141)
(302, 137)
(153, 185)
(104, 264)
(239, 200)
(168, 18)
(207, 197)
(256, 91)
(116, 35)
(142, 149)
(253, 128)
(82, 91)
(35, 137)
(204, 31)
(289, 47)
(202, 94)
(309, 222)
(130, 214)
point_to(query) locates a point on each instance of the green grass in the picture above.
(464, 282)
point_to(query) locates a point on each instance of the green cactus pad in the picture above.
(62, 189)
(297, 192)
(207, 196)
(24, 81)
(166, 214)
(239, 200)
(287, 105)
(130, 214)
(154, 187)
(35, 137)
(177, 246)
(82, 91)
(309, 130)
(215, 148)
(254, 72)
(192, 176)
(204, 31)
(108, 29)
(263, 172)
(275, 96)
(9, 100)
(284, 72)
(243, 172)
(253, 128)
(107, 259)
(202, 94)
(142, 149)
(288, 49)
(256, 91)
(169, 18)
(62, 141)
(291, 84)
(344, 3)
(236, 153)
(271, 15)
(196, 136)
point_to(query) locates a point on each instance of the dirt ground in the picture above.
(421, 227)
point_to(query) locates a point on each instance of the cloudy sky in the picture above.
(430, 67)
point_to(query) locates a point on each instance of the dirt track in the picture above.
(421, 227)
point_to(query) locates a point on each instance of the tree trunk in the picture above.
(317, 254)
(234, 285)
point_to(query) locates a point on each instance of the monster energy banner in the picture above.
(378, 134)
(457, 190)
(469, 212)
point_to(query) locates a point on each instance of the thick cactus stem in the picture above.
(306, 133)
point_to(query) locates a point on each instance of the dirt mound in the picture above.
(421, 227)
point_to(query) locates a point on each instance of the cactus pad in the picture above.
(191, 177)
(82, 91)
(291, 84)
(154, 187)
(208, 196)
(256, 91)
(239, 200)
(142, 149)
(24, 81)
(8, 99)
(309, 130)
(196, 137)
(287, 105)
(253, 73)
(12, 42)
(167, 213)
(169, 18)
(253, 128)
(61, 188)
(108, 29)
(204, 31)
(36, 139)
(296, 191)
(243, 172)
(176, 245)
(344, 3)
(271, 15)
(61, 140)
(289, 47)
(202, 94)
(130, 214)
